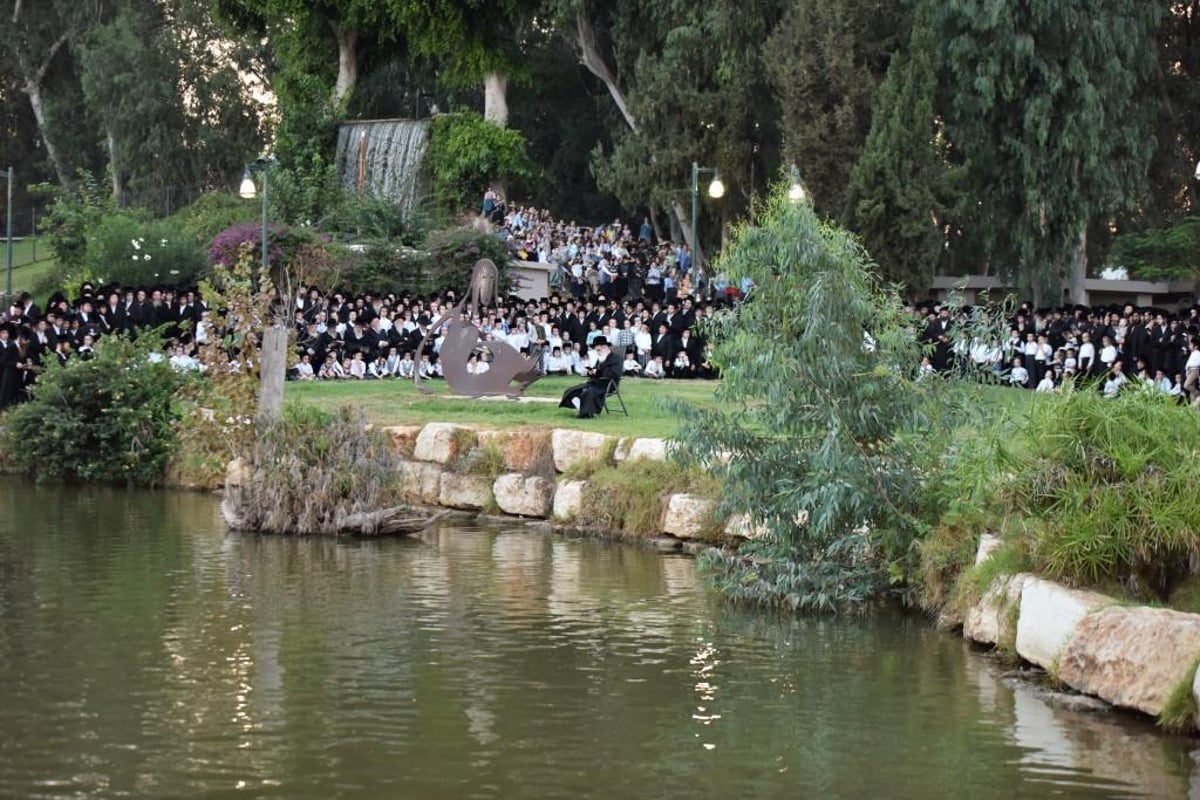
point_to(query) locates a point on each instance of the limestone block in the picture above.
(442, 442)
(471, 492)
(988, 542)
(571, 446)
(567, 497)
(651, 448)
(1131, 657)
(422, 482)
(990, 621)
(403, 438)
(524, 451)
(1049, 615)
(688, 516)
(525, 496)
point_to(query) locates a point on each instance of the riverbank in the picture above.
(610, 486)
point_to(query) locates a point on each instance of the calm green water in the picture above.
(146, 652)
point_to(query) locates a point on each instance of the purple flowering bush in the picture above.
(229, 244)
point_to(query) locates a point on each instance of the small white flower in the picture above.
(162, 242)
(146, 257)
(135, 258)
(137, 243)
(174, 272)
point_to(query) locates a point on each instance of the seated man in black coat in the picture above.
(588, 397)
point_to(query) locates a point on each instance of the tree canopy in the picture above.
(961, 136)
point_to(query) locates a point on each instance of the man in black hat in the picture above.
(9, 360)
(588, 398)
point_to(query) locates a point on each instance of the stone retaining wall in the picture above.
(532, 484)
(1131, 657)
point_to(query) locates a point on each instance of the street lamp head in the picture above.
(248, 190)
(796, 192)
(716, 189)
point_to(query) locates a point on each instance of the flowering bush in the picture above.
(127, 249)
(230, 243)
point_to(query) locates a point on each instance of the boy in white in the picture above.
(407, 366)
(1018, 375)
(654, 368)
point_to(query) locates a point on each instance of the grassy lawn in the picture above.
(396, 402)
(26, 271)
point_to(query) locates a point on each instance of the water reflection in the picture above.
(145, 652)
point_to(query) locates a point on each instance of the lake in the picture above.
(147, 652)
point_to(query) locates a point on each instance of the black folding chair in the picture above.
(614, 390)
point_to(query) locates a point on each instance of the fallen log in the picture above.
(387, 522)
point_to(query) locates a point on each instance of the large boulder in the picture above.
(993, 619)
(1131, 657)
(523, 450)
(443, 443)
(567, 498)
(572, 446)
(1049, 615)
(470, 492)
(422, 482)
(688, 516)
(524, 495)
(644, 447)
(402, 438)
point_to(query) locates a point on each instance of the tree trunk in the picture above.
(33, 89)
(114, 169)
(347, 77)
(272, 366)
(495, 98)
(1079, 270)
(591, 58)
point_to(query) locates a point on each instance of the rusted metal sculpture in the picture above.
(509, 374)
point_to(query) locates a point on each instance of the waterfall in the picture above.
(383, 158)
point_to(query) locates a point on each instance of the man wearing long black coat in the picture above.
(588, 397)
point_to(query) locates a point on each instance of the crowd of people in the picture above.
(30, 337)
(1112, 347)
(617, 296)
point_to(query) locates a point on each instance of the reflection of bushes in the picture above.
(312, 469)
(105, 419)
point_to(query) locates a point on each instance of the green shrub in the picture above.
(385, 267)
(629, 499)
(130, 250)
(1103, 490)
(466, 152)
(373, 218)
(455, 251)
(71, 217)
(313, 468)
(214, 212)
(106, 419)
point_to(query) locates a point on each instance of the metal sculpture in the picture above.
(509, 374)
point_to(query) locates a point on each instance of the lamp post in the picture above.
(273, 352)
(249, 191)
(716, 190)
(8, 293)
